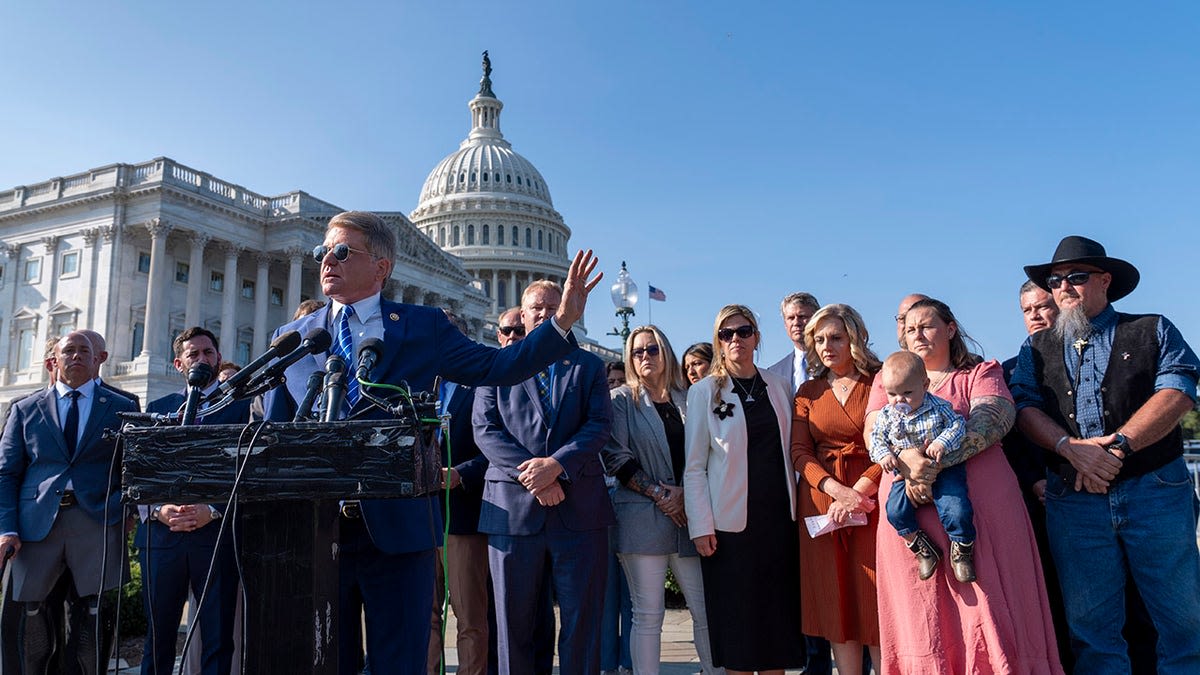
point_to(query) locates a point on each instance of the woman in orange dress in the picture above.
(837, 570)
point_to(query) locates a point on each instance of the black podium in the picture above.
(286, 524)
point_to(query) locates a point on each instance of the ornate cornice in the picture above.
(51, 243)
(199, 239)
(90, 236)
(157, 227)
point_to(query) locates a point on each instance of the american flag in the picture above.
(657, 294)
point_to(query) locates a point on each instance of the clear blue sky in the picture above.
(730, 152)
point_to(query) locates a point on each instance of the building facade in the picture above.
(138, 252)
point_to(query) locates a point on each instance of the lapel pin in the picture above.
(104, 400)
(394, 316)
(1124, 356)
(566, 362)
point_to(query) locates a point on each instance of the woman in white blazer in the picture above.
(740, 501)
(646, 455)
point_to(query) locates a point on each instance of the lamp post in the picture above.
(624, 296)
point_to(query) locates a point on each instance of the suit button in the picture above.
(1071, 415)
(1070, 393)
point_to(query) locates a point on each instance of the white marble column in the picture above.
(156, 308)
(105, 298)
(228, 335)
(262, 293)
(196, 281)
(495, 293)
(49, 267)
(295, 280)
(13, 254)
(87, 270)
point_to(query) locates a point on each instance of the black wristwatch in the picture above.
(1122, 444)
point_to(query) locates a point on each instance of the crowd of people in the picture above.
(1039, 517)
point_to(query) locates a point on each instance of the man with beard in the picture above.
(1105, 392)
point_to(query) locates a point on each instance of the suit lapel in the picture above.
(564, 376)
(394, 319)
(531, 390)
(101, 405)
(297, 380)
(49, 407)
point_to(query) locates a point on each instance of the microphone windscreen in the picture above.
(286, 342)
(199, 375)
(318, 340)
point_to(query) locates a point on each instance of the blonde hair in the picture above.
(719, 372)
(865, 360)
(674, 374)
(543, 284)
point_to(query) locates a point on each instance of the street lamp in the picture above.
(624, 296)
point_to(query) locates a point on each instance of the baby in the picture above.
(914, 418)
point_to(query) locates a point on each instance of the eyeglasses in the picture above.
(744, 331)
(1074, 278)
(647, 351)
(519, 330)
(340, 252)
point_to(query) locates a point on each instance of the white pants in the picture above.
(646, 575)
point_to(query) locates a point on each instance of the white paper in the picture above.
(823, 524)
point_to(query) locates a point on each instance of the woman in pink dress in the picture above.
(1001, 622)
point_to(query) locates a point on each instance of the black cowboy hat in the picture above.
(1075, 249)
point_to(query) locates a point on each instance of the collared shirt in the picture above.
(1178, 368)
(87, 393)
(934, 419)
(367, 322)
(799, 368)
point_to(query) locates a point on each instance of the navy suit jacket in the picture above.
(420, 344)
(510, 427)
(35, 466)
(237, 413)
(463, 454)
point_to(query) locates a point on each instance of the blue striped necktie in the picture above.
(544, 393)
(345, 349)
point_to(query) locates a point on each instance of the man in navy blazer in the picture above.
(178, 542)
(545, 495)
(386, 553)
(60, 504)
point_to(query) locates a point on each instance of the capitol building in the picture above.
(138, 252)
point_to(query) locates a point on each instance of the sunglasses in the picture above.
(340, 252)
(1074, 278)
(509, 330)
(647, 351)
(744, 332)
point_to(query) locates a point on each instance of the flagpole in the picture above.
(649, 308)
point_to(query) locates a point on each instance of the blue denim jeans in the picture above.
(950, 500)
(1145, 525)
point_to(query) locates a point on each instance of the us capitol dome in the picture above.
(490, 207)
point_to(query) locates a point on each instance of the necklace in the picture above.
(834, 380)
(748, 394)
(941, 380)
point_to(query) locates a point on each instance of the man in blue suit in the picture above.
(544, 495)
(60, 506)
(178, 542)
(387, 547)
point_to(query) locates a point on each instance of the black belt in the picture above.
(67, 499)
(351, 509)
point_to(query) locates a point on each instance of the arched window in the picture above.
(470, 235)
(528, 237)
(487, 240)
(442, 236)
(472, 176)
(516, 238)
(539, 240)
(454, 239)
(499, 235)
(502, 292)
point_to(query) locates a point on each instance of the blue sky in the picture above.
(729, 152)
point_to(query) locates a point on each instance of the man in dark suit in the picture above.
(545, 494)
(59, 503)
(386, 553)
(178, 542)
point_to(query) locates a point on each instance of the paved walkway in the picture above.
(678, 652)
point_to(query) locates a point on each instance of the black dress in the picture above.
(752, 582)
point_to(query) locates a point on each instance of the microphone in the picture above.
(198, 376)
(335, 387)
(280, 345)
(369, 353)
(315, 341)
(311, 390)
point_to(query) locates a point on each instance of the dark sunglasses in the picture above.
(509, 330)
(340, 252)
(1074, 278)
(648, 350)
(744, 332)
